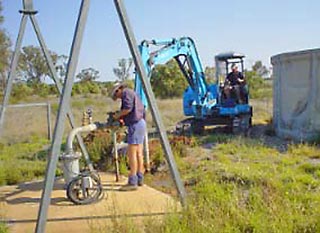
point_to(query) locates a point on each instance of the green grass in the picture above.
(3, 228)
(249, 187)
(22, 161)
(244, 186)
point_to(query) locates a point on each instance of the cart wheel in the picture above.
(85, 189)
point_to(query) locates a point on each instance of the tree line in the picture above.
(33, 74)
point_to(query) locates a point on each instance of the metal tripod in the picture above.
(28, 11)
(64, 107)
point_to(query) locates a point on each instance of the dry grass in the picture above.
(171, 112)
(22, 123)
(262, 111)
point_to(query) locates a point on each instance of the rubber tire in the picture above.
(72, 195)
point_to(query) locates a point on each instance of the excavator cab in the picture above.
(223, 64)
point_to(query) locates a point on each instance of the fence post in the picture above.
(49, 121)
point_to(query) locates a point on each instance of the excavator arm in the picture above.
(183, 50)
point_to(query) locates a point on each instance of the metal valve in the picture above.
(87, 117)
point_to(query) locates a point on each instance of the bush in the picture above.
(86, 87)
(94, 88)
(20, 91)
(41, 89)
(168, 81)
(3, 228)
(258, 87)
(17, 171)
(19, 163)
(2, 175)
(100, 145)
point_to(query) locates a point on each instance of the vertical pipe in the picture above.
(151, 98)
(59, 87)
(13, 68)
(59, 127)
(146, 152)
(49, 121)
(116, 156)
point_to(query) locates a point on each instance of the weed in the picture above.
(17, 162)
(3, 228)
(304, 149)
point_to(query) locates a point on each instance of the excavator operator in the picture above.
(234, 83)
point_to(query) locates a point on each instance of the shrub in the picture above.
(86, 87)
(168, 81)
(93, 88)
(18, 171)
(258, 87)
(3, 228)
(18, 162)
(2, 175)
(20, 91)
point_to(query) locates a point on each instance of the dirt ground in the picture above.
(20, 203)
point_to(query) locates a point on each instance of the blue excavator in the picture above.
(203, 104)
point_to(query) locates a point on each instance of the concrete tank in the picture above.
(296, 94)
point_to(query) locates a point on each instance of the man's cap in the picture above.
(115, 87)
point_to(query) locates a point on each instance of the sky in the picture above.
(257, 28)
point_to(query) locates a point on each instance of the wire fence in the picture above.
(17, 121)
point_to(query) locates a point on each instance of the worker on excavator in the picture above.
(133, 114)
(234, 82)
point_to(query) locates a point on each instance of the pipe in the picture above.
(75, 131)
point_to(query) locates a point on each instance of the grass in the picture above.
(22, 123)
(250, 187)
(23, 161)
(242, 184)
(3, 227)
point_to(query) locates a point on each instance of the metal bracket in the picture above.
(28, 8)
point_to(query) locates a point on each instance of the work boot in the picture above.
(131, 185)
(140, 178)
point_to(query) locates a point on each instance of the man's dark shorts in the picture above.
(136, 132)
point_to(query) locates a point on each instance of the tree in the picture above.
(168, 81)
(5, 44)
(88, 75)
(123, 70)
(260, 69)
(61, 67)
(33, 67)
(210, 73)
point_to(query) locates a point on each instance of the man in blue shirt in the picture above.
(133, 114)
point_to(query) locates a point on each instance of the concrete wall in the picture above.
(296, 94)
